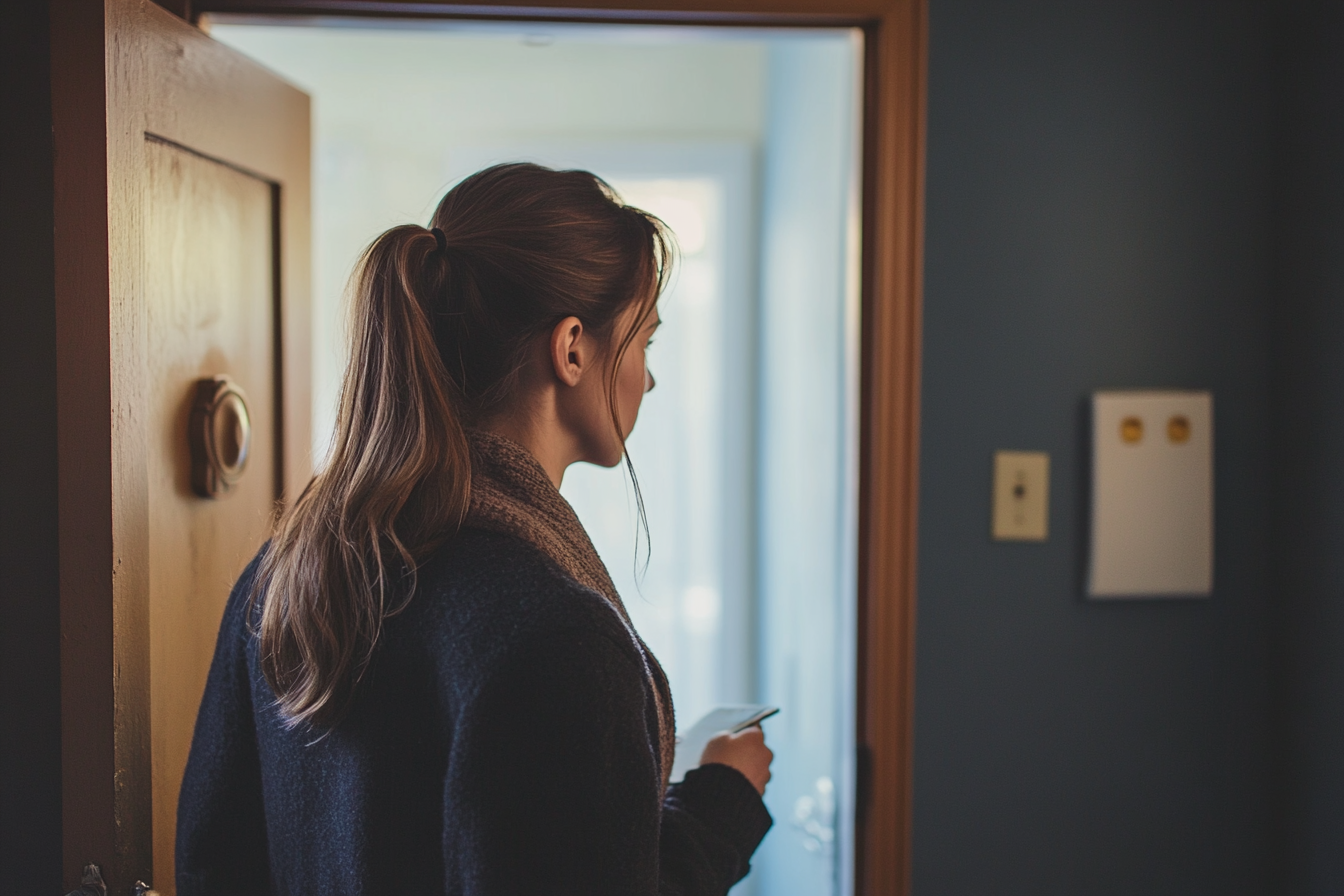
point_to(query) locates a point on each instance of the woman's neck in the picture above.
(543, 436)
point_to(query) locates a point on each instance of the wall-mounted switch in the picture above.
(1152, 494)
(1021, 495)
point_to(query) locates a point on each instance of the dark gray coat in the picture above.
(503, 742)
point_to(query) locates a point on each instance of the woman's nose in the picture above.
(648, 380)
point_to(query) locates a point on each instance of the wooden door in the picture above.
(182, 222)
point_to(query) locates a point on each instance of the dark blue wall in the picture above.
(30, 733)
(1099, 200)
(1308, 393)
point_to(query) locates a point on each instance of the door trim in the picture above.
(895, 71)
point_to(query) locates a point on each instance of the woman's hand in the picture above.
(745, 751)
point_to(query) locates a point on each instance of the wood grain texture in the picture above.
(217, 102)
(125, 68)
(889, 436)
(716, 12)
(893, 199)
(209, 292)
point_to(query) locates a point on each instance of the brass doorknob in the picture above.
(220, 434)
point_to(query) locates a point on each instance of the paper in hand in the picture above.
(732, 719)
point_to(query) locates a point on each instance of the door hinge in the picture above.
(91, 884)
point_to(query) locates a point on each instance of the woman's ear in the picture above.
(571, 354)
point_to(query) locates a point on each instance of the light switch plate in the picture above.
(1021, 496)
(1152, 494)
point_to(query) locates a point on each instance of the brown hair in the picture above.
(441, 328)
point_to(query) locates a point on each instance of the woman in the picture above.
(426, 682)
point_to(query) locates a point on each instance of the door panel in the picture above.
(209, 310)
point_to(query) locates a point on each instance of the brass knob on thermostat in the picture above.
(220, 434)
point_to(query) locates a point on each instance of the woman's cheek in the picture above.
(632, 388)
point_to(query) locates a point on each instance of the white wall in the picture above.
(808, 459)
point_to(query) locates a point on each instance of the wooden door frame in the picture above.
(97, 602)
(892, 259)
(116, 66)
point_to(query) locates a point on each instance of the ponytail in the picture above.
(397, 485)
(442, 323)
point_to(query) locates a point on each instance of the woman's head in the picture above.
(528, 251)
(528, 247)
(447, 330)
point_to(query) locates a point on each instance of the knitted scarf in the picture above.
(511, 494)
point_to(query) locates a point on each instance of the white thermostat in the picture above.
(1152, 494)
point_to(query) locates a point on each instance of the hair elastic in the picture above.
(441, 241)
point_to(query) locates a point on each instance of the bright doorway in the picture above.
(746, 142)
